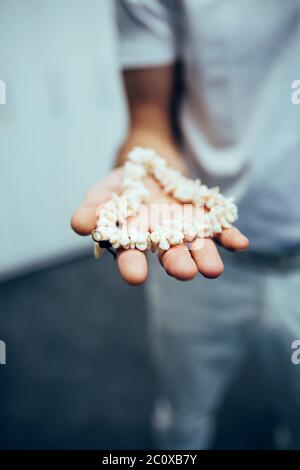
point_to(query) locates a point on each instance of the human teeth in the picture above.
(108, 214)
(134, 170)
(224, 222)
(106, 221)
(133, 235)
(116, 244)
(110, 206)
(104, 232)
(112, 216)
(124, 239)
(164, 244)
(142, 246)
(176, 237)
(98, 251)
(96, 236)
(155, 237)
(190, 235)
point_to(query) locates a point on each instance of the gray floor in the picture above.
(78, 373)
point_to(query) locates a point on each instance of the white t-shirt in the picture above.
(241, 130)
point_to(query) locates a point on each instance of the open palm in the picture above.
(179, 261)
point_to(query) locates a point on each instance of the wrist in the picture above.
(162, 142)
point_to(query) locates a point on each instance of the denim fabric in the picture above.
(202, 331)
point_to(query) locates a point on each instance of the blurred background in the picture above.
(78, 371)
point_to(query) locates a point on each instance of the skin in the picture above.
(149, 94)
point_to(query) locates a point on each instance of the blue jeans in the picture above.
(201, 331)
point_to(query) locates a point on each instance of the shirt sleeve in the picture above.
(147, 33)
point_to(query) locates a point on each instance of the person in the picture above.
(222, 70)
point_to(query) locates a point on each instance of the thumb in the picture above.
(84, 218)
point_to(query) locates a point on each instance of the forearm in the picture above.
(149, 95)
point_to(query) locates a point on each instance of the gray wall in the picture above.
(62, 121)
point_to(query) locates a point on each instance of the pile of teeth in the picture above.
(113, 231)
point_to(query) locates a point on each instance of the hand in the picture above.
(179, 261)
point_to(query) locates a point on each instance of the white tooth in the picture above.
(134, 170)
(97, 251)
(200, 232)
(96, 236)
(230, 218)
(124, 239)
(141, 237)
(175, 238)
(155, 237)
(110, 206)
(133, 235)
(108, 214)
(142, 246)
(224, 223)
(189, 235)
(105, 221)
(164, 244)
(116, 244)
(104, 232)
(115, 238)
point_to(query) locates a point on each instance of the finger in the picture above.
(232, 239)
(178, 263)
(84, 219)
(206, 257)
(133, 266)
